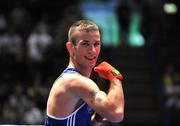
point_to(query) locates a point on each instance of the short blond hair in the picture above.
(81, 25)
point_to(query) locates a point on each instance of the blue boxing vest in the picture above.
(79, 117)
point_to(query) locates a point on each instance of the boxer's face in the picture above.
(87, 48)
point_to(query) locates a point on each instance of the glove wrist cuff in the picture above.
(112, 75)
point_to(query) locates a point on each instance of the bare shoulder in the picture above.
(83, 88)
(64, 94)
(75, 82)
(74, 87)
(77, 85)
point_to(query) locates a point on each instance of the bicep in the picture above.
(88, 91)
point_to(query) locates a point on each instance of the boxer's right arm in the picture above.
(106, 71)
(109, 106)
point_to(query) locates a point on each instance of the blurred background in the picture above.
(140, 38)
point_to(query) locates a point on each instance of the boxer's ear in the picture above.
(69, 46)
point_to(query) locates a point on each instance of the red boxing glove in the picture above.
(105, 70)
(98, 118)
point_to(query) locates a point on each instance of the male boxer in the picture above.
(75, 99)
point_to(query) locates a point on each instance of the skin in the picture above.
(69, 89)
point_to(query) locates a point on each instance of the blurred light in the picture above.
(170, 8)
(104, 15)
(135, 38)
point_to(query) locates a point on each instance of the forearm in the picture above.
(112, 103)
(115, 94)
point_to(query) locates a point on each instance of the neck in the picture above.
(85, 71)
